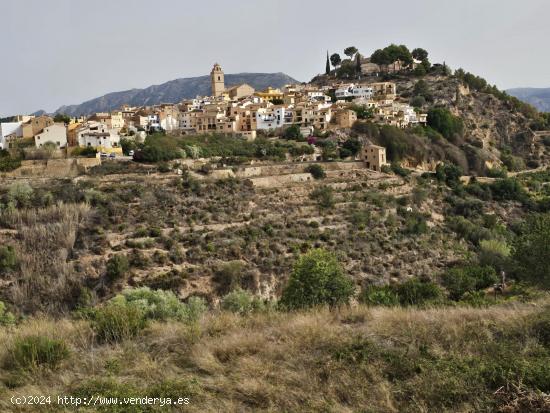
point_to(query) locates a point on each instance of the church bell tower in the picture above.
(217, 79)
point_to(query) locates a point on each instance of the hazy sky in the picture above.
(56, 52)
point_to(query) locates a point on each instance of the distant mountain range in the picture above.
(538, 97)
(172, 92)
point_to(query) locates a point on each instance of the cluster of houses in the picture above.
(238, 110)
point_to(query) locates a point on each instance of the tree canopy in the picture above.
(350, 51)
(335, 59)
(445, 123)
(317, 279)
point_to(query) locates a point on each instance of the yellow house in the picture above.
(345, 118)
(270, 94)
(374, 157)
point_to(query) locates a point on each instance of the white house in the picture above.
(354, 91)
(9, 129)
(97, 135)
(153, 121)
(56, 133)
(270, 118)
(170, 122)
(343, 92)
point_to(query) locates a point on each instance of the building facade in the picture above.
(217, 80)
(374, 157)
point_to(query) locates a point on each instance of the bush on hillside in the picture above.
(115, 322)
(448, 173)
(8, 162)
(34, 351)
(324, 195)
(494, 253)
(411, 292)
(459, 281)
(20, 193)
(241, 302)
(160, 305)
(532, 250)
(316, 171)
(443, 121)
(317, 279)
(293, 133)
(418, 292)
(117, 267)
(8, 259)
(399, 170)
(6, 318)
(159, 148)
(380, 295)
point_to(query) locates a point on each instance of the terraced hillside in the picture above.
(197, 234)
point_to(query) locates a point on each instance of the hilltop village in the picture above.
(237, 110)
(379, 236)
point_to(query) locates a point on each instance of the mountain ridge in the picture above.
(171, 91)
(539, 97)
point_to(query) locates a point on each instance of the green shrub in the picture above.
(293, 133)
(380, 295)
(160, 305)
(532, 250)
(138, 259)
(114, 322)
(459, 281)
(86, 151)
(229, 276)
(324, 195)
(117, 267)
(8, 163)
(509, 189)
(20, 193)
(241, 302)
(494, 253)
(34, 351)
(8, 259)
(415, 223)
(317, 279)
(443, 121)
(417, 292)
(6, 318)
(497, 172)
(399, 170)
(316, 171)
(448, 173)
(159, 148)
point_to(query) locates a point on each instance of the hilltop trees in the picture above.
(391, 54)
(350, 51)
(381, 57)
(335, 59)
(419, 54)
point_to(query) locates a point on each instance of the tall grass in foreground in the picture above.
(46, 236)
(372, 359)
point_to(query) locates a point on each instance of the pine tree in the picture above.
(327, 67)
